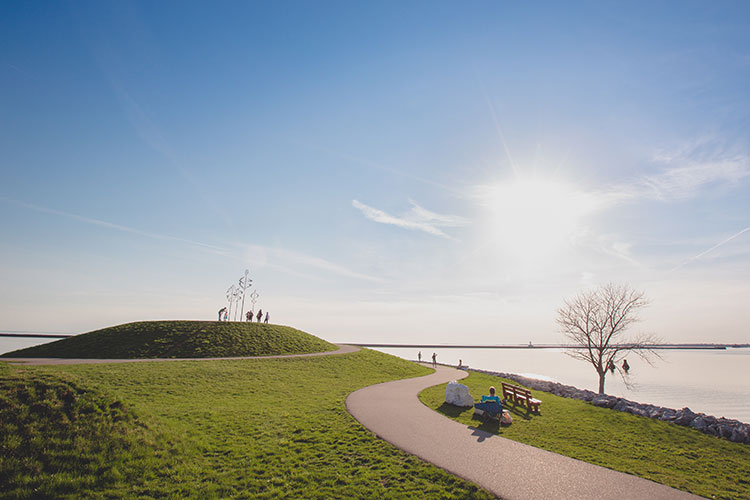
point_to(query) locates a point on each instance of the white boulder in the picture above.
(458, 394)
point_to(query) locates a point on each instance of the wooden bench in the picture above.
(520, 395)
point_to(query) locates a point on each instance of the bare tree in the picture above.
(596, 321)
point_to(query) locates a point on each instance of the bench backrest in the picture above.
(517, 391)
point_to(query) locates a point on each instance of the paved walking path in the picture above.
(508, 469)
(342, 349)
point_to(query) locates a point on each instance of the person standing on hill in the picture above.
(267, 316)
(249, 316)
(221, 312)
(260, 315)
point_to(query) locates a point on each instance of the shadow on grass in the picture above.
(452, 411)
(519, 411)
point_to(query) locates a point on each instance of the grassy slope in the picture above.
(56, 438)
(271, 428)
(180, 339)
(677, 456)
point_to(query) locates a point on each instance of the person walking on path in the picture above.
(260, 315)
(419, 356)
(222, 311)
(267, 316)
(434, 360)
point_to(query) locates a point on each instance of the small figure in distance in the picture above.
(226, 316)
(491, 397)
(625, 366)
(259, 315)
(223, 311)
(419, 356)
(249, 316)
(460, 364)
(434, 360)
(611, 366)
(267, 316)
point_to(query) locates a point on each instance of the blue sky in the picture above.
(388, 171)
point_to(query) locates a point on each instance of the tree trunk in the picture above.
(602, 375)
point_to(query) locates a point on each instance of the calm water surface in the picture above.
(715, 382)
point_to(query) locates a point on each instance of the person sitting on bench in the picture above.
(491, 397)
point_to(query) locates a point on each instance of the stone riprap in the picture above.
(733, 430)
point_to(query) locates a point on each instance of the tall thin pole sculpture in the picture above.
(253, 297)
(237, 293)
(245, 283)
(230, 297)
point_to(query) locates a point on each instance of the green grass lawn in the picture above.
(269, 428)
(181, 339)
(673, 455)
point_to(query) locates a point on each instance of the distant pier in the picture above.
(536, 346)
(37, 335)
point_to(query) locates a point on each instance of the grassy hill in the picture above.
(180, 339)
(258, 428)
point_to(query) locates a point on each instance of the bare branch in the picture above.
(596, 322)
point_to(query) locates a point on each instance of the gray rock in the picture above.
(668, 414)
(698, 423)
(684, 416)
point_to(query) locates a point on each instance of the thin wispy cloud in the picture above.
(685, 181)
(685, 172)
(111, 225)
(417, 219)
(300, 264)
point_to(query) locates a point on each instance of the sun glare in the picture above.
(532, 218)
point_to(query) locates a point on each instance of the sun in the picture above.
(530, 218)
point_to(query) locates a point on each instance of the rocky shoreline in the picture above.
(733, 430)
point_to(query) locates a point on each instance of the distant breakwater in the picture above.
(733, 430)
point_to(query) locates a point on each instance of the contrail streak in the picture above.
(386, 168)
(101, 223)
(691, 259)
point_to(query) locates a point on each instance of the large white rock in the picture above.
(458, 394)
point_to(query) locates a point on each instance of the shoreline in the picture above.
(720, 427)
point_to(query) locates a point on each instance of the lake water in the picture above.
(715, 381)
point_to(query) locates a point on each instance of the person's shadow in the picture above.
(480, 434)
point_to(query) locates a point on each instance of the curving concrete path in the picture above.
(508, 469)
(342, 349)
